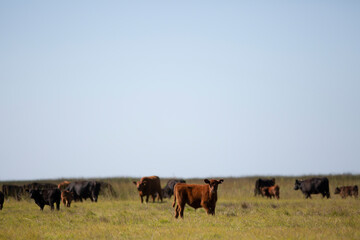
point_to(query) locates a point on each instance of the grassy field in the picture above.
(239, 215)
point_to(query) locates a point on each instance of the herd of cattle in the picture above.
(195, 195)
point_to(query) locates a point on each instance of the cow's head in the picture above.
(34, 194)
(297, 185)
(140, 185)
(213, 183)
(337, 190)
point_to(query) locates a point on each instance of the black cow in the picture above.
(168, 190)
(313, 186)
(260, 183)
(46, 197)
(13, 191)
(1, 200)
(84, 189)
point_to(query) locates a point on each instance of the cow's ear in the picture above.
(220, 181)
(207, 181)
(134, 182)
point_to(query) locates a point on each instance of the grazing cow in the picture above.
(1, 200)
(168, 191)
(13, 191)
(67, 197)
(269, 192)
(63, 185)
(346, 191)
(313, 186)
(149, 186)
(196, 196)
(263, 183)
(46, 197)
(84, 190)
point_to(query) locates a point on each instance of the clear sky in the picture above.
(179, 88)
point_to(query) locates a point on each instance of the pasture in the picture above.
(239, 215)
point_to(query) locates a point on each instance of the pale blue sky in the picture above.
(179, 88)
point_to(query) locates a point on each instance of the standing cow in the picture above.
(67, 197)
(260, 183)
(196, 196)
(149, 186)
(46, 197)
(84, 189)
(313, 186)
(168, 190)
(269, 192)
(346, 191)
(1, 200)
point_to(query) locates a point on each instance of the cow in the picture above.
(346, 191)
(263, 183)
(313, 186)
(84, 190)
(168, 190)
(149, 186)
(13, 191)
(269, 192)
(46, 197)
(67, 197)
(1, 200)
(196, 196)
(63, 185)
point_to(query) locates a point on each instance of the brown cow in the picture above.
(63, 185)
(269, 192)
(149, 186)
(67, 197)
(347, 191)
(196, 196)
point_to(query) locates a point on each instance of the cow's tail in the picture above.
(356, 188)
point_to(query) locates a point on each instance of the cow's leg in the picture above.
(141, 198)
(207, 209)
(160, 196)
(182, 208)
(64, 201)
(147, 198)
(213, 210)
(153, 197)
(177, 211)
(52, 206)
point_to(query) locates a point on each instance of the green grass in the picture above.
(239, 215)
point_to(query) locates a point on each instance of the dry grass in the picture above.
(239, 215)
